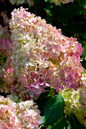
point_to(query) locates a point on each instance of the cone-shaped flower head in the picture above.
(42, 56)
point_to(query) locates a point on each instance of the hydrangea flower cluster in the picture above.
(5, 44)
(17, 2)
(58, 2)
(6, 70)
(23, 115)
(42, 56)
(8, 118)
(7, 79)
(71, 98)
(75, 102)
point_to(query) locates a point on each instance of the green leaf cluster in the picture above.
(52, 108)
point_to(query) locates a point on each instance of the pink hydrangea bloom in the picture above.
(42, 56)
(8, 118)
(5, 42)
(6, 75)
(23, 115)
(6, 70)
(28, 115)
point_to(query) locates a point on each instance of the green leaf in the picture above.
(54, 109)
(75, 124)
(59, 124)
(42, 99)
(48, 12)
